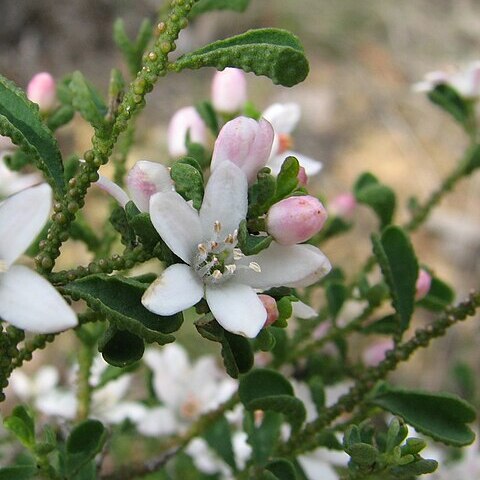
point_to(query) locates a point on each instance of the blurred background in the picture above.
(359, 111)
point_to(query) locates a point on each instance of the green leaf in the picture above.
(261, 194)
(118, 219)
(218, 436)
(399, 266)
(236, 351)
(121, 348)
(262, 437)
(387, 325)
(20, 120)
(448, 99)
(61, 116)
(333, 227)
(265, 340)
(287, 179)
(22, 425)
(274, 53)
(87, 101)
(206, 111)
(421, 466)
(284, 306)
(363, 454)
(442, 416)
(203, 6)
(139, 224)
(438, 297)
(380, 198)
(119, 299)
(188, 183)
(472, 159)
(282, 469)
(336, 295)
(251, 244)
(18, 472)
(317, 391)
(83, 443)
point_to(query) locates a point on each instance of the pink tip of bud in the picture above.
(343, 205)
(271, 307)
(374, 354)
(186, 120)
(295, 219)
(229, 90)
(424, 282)
(302, 177)
(42, 90)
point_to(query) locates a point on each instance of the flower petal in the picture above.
(311, 166)
(177, 288)
(236, 308)
(22, 217)
(225, 200)
(293, 265)
(284, 117)
(158, 421)
(145, 179)
(177, 223)
(113, 189)
(31, 303)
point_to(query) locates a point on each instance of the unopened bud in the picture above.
(424, 282)
(302, 177)
(343, 205)
(295, 219)
(246, 143)
(271, 307)
(185, 121)
(42, 90)
(229, 90)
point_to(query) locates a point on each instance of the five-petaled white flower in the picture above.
(27, 300)
(284, 117)
(214, 266)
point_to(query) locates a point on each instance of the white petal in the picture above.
(236, 308)
(293, 265)
(29, 302)
(133, 411)
(157, 421)
(22, 217)
(311, 166)
(144, 180)
(22, 385)
(177, 223)
(284, 117)
(302, 310)
(113, 189)
(225, 200)
(275, 163)
(177, 288)
(315, 467)
(46, 378)
(58, 403)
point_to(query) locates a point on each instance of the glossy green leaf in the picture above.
(119, 299)
(438, 297)
(399, 266)
(203, 6)
(251, 244)
(188, 182)
(263, 382)
(18, 472)
(121, 348)
(287, 179)
(21, 424)
(265, 341)
(20, 120)
(218, 436)
(61, 116)
(448, 99)
(261, 194)
(236, 351)
(274, 53)
(381, 199)
(282, 469)
(442, 416)
(387, 325)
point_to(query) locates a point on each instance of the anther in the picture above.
(217, 226)
(255, 267)
(237, 254)
(217, 274)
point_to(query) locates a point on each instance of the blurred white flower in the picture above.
(12, 182)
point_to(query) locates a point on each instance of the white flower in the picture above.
(284, 118)
(143, 180)
(186, 390)
(215, 268)
(12, 182)
(27, 300)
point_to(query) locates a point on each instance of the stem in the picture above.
(84, 389)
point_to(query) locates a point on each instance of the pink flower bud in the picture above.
(374, 354)
(343, 205)
(295, 219)
(302, 177)
(424, 282)
(43, 91)
(229, 90)
(246, 143)
(271, 307)
(186, 120)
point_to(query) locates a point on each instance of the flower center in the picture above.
(215, 260)
(285, 142)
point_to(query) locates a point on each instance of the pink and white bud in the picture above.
(42, 90)
(295, 219)
(271, 307)
(186, 120)
(374, 354)
(246, 143)
(229, 90)
(144, 180)
(424, 282)
(302, 177)
(343, 205)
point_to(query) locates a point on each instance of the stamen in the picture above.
(202, 249)
(3, 266)
(237, 254)
(255, 267)
(217, 274)
(229, 238)
(230, 268)
(217, 226)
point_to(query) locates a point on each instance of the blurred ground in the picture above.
(359, 112)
